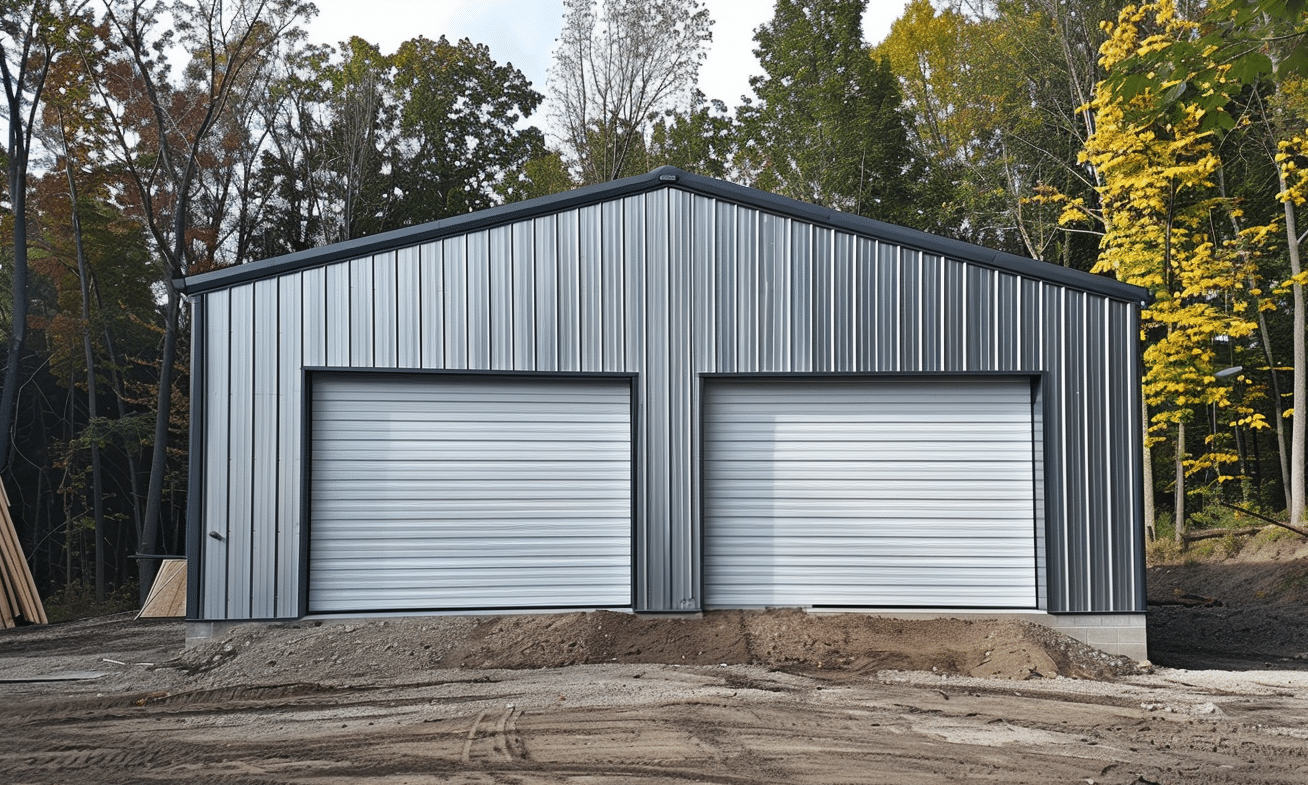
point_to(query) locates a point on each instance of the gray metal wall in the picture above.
(666, 284)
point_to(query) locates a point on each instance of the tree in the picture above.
(457, 136)
(1219, 70)
(368, 142)
(164, 132)
(701, 140)
(618, 66)
(828, 127)
(1162, 211)
(27, 43)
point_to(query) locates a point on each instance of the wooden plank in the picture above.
(20, 577)
(8, 602)
(167, 597)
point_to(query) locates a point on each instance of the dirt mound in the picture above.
(1248, 610)
(781, 639)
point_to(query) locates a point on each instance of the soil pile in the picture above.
(789, 640)
(1249, 610)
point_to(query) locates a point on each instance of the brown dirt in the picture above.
(1246, 611)
(785, 639)
(728, 698)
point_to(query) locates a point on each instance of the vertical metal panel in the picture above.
(824, 300)
(455, 267)
(524, 296)
(887, 341)
(1008, 323)
(704, 286)
(655, 525)
(613, 281)
(240, 466)
(1126, 448)
(478, 327)
(953, 283)
(844, 300)
(1031, 325)
(362, 326)
(980, 318)
(569, 313)
(547, 294)
(774, 294)
(682, 556)
(385, 319)
(801, 297)
(1074, 414)
(910, 307)
(217, 432)
(727, 284)
(338, 314)
(289, 400)
(933, 313)
(1055, 393)
(197, 463)
(409, 293)
(591, 303)
(431, 305)
(641, 236)
(1098, 422)
(263, 489)
(866, 314)
(501, 326)
(747, 284)
(314, 303)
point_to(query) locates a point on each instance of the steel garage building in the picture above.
(666, 394)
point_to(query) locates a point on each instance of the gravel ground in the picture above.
(733, 697)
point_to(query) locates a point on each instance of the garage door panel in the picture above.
(869, 492)
(436, 492)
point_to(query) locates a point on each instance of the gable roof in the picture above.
(663, 177)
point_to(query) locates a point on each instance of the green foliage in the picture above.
(701, 140)
(456, 137)
(77, 601)
(828, 127)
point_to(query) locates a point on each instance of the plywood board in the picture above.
(168, 594)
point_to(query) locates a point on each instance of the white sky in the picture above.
(522, 32)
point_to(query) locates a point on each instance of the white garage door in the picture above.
(869, 493)
(446, 492)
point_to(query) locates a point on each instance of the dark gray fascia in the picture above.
(663, 177)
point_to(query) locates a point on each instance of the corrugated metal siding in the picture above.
(711, 287)
(886, 492)
(455, 491)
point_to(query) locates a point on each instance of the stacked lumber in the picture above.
(19, 602)
(168, 594)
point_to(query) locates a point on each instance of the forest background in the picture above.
(1165, 144)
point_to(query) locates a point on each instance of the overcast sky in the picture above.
(523, 32)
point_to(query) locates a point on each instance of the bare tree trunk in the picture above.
(159, 458)
(32, 63)
(1179, 494)
(1148, 465)
(84, 275)
(1298, 399)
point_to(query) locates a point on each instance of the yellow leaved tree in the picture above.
(1164, 218)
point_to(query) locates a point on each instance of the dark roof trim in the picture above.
(663, 177)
